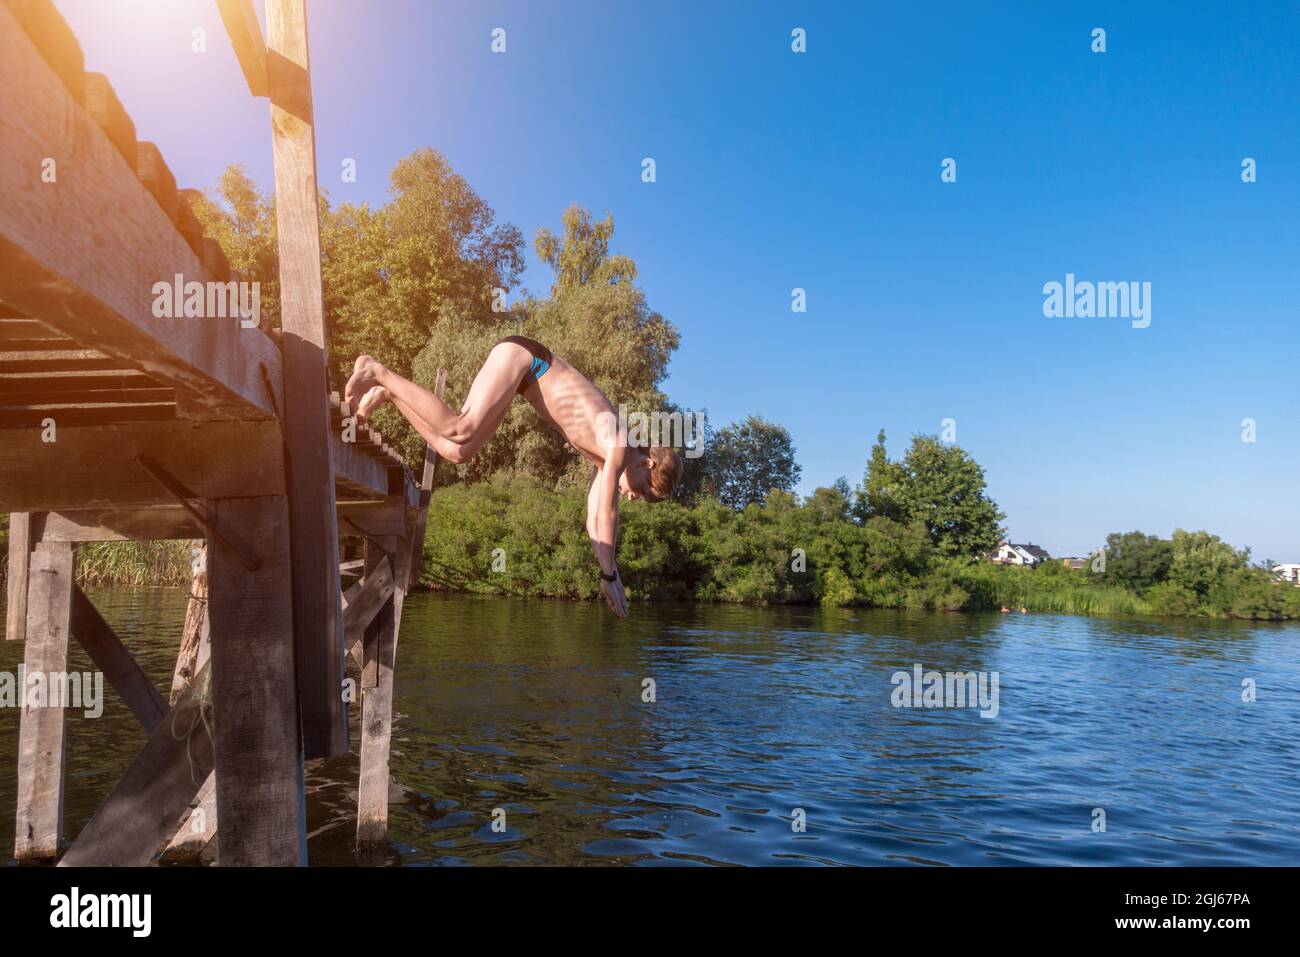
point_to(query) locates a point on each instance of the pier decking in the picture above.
(118, 424)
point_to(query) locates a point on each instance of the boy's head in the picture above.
(653, 477)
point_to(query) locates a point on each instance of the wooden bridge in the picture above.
(117, 424)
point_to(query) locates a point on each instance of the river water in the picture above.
(730, 735)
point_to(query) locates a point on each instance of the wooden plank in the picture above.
(55, 40)
(87, 397)
(157, 177)
(378, 659)
(258, 759)
(187, 223)
(119, 666)
(195, 633)
(197, 828)
(70, 414)
(95, 466)
(317, 614)
(20, 548)
(56, 360)
(362, 603)
(122, 524)
(122, 381)
(106, 110)
(83, 255)
(246, 37)
(142, 811)
(42, 735)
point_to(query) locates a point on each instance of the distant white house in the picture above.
(1288, 572)
(1009, 553)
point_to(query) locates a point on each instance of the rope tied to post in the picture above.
(197, 710)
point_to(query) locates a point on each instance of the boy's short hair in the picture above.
(665, 473)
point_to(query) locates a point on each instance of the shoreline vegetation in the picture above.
(519, 537)
(420, 282)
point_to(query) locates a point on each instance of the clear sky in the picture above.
(821, 170)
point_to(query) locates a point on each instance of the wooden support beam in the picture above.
(317, 615)
(362, 603)
(145, 524)
(156, 176)
(106, 109)
(96, 467)
(82, 253)
(42, 735)
(142, 811)
(258, 757)
(378, 658)
(119, 666)
(20, 549)
(197, 828)
(246, 37)
(56, 41)
(195, 644)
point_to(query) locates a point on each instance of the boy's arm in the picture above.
(602, 528)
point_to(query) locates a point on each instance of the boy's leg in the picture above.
(486, 405)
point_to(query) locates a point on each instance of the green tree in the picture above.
(879, 495)
(1137, 561)
(943, 488)
(748, 460)
(1201, 562)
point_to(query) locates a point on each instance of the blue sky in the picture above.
(822, 171)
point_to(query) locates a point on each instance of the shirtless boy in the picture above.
(565, 398)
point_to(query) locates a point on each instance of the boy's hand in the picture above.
(614, 597)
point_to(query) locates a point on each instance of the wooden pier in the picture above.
(116, 424)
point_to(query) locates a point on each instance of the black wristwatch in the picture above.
(609, 578)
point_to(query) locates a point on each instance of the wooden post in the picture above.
(317, 614)
(194, 637)
(42, 738)
(20, 549)
(258, 758)
(378, 656)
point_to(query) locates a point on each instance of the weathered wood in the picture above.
(187, 223)
(90, 467)
(83, 254)
(362, 603)
(123, 381)
(35, 416)
(106, 110)
(258, 758)
(156, 176)
(246, 37)
(426, 485)
(119, 666)
(378, 658)
(197, 828)
(55, 40)
(317, 614)
(20, 547)
(195, 633)
(142, 811)
(121, 524)
(42, 735)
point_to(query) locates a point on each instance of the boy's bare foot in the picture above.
(373, 399)
(365, 376)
